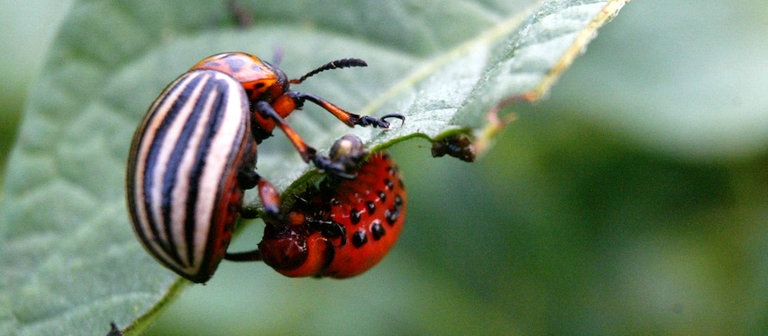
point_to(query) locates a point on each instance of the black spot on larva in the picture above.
(391, 170)
(335, 202)
(371, 206)
(354, 216)
(391, 215)
(402, 185)
(382, 195)
(398, 201)
(359, 238)
(390, 185)
(377, 230)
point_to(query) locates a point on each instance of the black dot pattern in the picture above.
(359, 238)
(354, 216)
(372, 204)
(377, 230)
(390, 185)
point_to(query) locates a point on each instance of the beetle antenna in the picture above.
(277, 56)
(337, 64)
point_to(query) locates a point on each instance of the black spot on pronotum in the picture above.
(359, 238)
(234, 63)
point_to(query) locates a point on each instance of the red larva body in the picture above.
(341, 227)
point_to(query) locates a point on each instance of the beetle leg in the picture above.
(266, 111)
(254, 255)
(330, 166)
(270, 200)
(379, 122)
(308, 154)
(247, 178)
(348, 118)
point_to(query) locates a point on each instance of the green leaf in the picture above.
(70, 261)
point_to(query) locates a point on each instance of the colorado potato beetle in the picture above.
(194, 154)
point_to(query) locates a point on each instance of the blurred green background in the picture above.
(633, 201)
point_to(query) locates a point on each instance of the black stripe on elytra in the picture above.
(172, 166)
(218, 91)
(151, 162)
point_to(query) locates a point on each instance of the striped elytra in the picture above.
(182, 177)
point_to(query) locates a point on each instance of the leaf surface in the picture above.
(70, 261)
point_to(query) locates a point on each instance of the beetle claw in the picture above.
(336, 168)
(378, 122)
